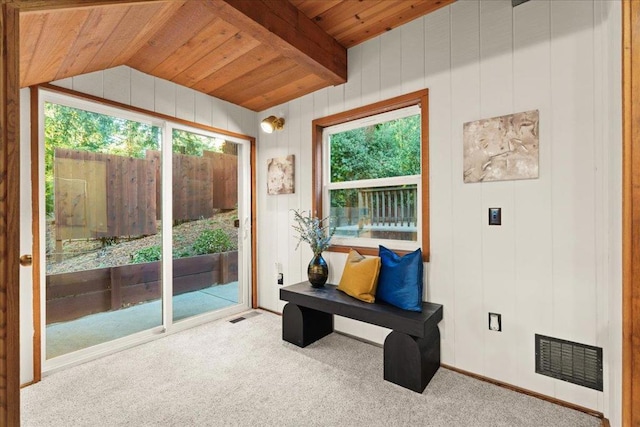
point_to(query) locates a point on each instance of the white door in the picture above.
(26, 244)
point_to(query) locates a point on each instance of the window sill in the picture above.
(362, 250)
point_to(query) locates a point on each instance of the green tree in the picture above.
(383, 150)
(76, 129)
(191, 143)
(378, 151)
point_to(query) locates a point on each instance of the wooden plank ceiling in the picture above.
(253, 53)
(352, 22)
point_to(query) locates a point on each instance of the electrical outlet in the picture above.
(279, 275)
(495, 322)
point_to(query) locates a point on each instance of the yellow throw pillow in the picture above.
(360, 277)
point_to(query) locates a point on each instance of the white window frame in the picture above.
(405, 245)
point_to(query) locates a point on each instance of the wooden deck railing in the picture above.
(379, 213)
(389, 206)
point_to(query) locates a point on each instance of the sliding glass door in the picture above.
(101, 227)
(205, 223)
(144, 224)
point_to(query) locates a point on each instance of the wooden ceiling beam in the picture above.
(282, 26)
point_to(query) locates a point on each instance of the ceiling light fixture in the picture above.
(272, 123)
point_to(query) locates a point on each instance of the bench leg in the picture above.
(302, 326)
(411, 362)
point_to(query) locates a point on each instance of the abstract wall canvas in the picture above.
(501, 148)
(280, 175)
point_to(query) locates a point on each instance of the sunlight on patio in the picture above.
(66, 337)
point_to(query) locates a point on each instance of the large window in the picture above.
(371, 175)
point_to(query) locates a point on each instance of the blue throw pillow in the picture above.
(400, 279)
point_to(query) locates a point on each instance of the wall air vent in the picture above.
(515, 3)
(569, 361)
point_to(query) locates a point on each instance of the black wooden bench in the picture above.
(411, 350)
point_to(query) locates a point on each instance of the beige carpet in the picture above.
(243, 374)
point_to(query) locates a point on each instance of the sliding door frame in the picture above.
(169, 123)
(245, 207)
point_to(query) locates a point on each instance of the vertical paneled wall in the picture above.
(609, 243)
(131, 87)
(553, 266)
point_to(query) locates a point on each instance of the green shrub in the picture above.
(183, 252)
(211, 242)
(150, 254)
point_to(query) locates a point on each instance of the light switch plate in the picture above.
(495, 216)
(495, 322)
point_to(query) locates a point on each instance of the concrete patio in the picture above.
(66, 337)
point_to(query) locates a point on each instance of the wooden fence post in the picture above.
(228, 267)
(59, 250)
(116, 288)
(224, 267)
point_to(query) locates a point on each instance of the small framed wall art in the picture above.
(281, 175)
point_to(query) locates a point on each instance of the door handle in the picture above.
(26, 260)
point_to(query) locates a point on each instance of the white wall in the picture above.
(130, 87)
(610, 276)
(553, 267)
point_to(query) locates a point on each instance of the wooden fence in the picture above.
(104, 195)
(225, 179)
(73, 295)
(200, 184)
